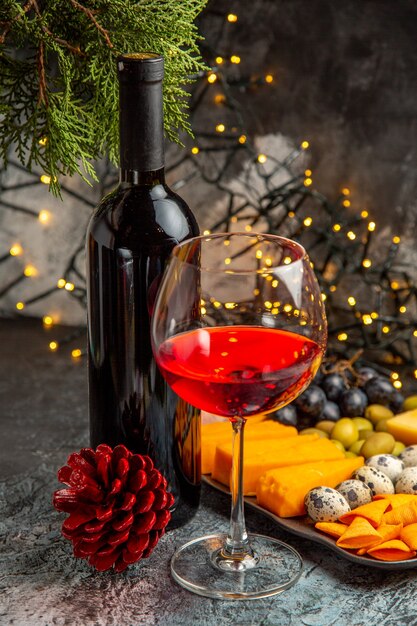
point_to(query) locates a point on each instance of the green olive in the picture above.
(326, 425)
(379, 443)
(365, 434)
(338, 444)
(410, 403)
(398, 448)
(345, 431)
(357, 446)
(314, 431)
(350, 455)
(381, 426)
(362, 423)
(376, 412)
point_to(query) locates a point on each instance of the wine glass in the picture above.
(238, 329)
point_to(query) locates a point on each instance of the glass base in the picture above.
(274, 568)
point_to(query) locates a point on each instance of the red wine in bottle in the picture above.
(129, 239)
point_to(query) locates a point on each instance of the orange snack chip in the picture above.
(334, 529)
(395, 499)
(393, 550)
(409, 536)
(372, 512)
(360, 534)
(404, 514)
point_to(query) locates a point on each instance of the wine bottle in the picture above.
(129, 238)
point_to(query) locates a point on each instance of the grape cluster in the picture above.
(343, 393)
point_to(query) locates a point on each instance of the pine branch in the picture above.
(58, 83)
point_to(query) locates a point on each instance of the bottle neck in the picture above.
(141, 132)
(135, 177)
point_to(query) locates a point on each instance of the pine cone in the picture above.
(118, 506)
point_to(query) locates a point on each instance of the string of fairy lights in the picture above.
(370, 295)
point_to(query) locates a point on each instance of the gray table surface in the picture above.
(43, 411)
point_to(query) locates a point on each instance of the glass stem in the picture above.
(237, 544)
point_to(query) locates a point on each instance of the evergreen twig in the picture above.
(58, 83)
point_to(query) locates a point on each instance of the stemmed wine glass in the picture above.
(238, 329)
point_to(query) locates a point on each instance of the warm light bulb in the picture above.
(235, 59)
(53, 345)
(351, 301)
(220, 128)
(395, 375)
(44, 216)
(374, 315)
(30, 270)
(242, 139)
(346, 191)
(227, 261)
(258, 254)
(211, 78)
(308, 221)
(385, 329)
(305, 145)
(308, 173)
(43, 141)
(336, 227)
(396, 240)
(287, 260)
(364, 214)
(76, 353)
(371, 226)
(415, 333)
(366, 263)
(397, 384)
(232, 18)
(351, 235)
(219, 98)
(308, 182)
(195, 150)
(367, 319)
(346, 203)
(291, 214)
(45, 179)
(402, 309)
(323, 297)
(47, 320)
(16, 250)
(20, 306)
(262, 158)
(415, 373)
(69, 286)
(394, 284)
(219, 60)
(332, 288)
(248, 228)
(206, 232)
(61, 283)
(269, 78)
(342, 336)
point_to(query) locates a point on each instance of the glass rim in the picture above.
(227, 235)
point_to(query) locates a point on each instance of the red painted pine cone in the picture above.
(118, 506)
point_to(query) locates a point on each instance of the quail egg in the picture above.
(407, 482)
(375, 479)
(355, 492)
(389, 464)
(409, 456)
(324, 504)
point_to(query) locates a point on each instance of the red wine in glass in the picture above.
(238, 370)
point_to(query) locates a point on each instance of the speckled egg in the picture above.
(409, 456)
(389, 464)
(407, 482)
(355, 492)
(376, 480)
(324, 504)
